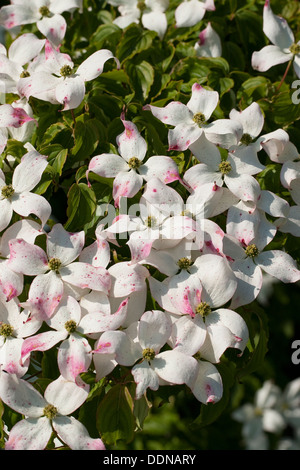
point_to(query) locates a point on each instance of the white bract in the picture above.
(190, 12)
(45, 13)
(18, 196)
(283, 48)
(209, 43)
(61, 398)
(58, 82)
(55, 270)
(190, 120)
(151, 14)
(129, 169)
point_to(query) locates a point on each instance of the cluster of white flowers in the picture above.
(272, 412)
(92, 308)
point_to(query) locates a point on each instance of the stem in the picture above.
(73, 116)
(284, 75)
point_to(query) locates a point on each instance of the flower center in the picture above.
(66, 71)
(54, 264)
(199, 119)
(24, 74)
(134, 162)
(150, 221)
(141, 5)
(6, 330)
(187, 213)
(148, 354)
(44, 11)
(251, 251)
(197, 356)
(225, 168)
(184, 263)
(50, 411)
(295, 49)
(258, 412)
(7, 191)
(203, 309)
(70, 326)
(246, 139)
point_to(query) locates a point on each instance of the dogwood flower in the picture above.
(21, 51)
(128, 283)
(212, 282)
(15, 325)
(190, 120)
(74, 351)
(260, 417)
(151, 13)
(45, 13)
(55, 269)
(152, 228)
(17, 196)
(245, 245)
(236, 171)
(209, 43)
(128, 169)
(283, 48)
(190, 12)
(45, 414)
(252, 122)
(12, 283)
(210, 332)
(62, 84)
(11, 116)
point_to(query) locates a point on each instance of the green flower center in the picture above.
(54, 264)
(141, 5)
(199, 119)
(6, 330)
(44, 11)
(148, 354)
(258, 412)
(197, 356)
(251, 251)
(71, 326)
(203, 309)
(184, 263)
(50, 411)
(66, 71)
(150, 221)
(225, 168)
(246, 139)
(134, 162)
(7, 191)
(187, 213)
(295, 49)
(24, 74)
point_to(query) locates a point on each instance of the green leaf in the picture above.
(115, 419)
(141, 76)
(88, 133)
(15, 148)
(257, 84)
(141, 410)
(135, 40)
(215, 63)
(106, 35)
(81, 206)
(59, 161)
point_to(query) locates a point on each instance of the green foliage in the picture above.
(155, 71)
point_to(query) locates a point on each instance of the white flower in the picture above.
(43, 414)
(283, 47)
